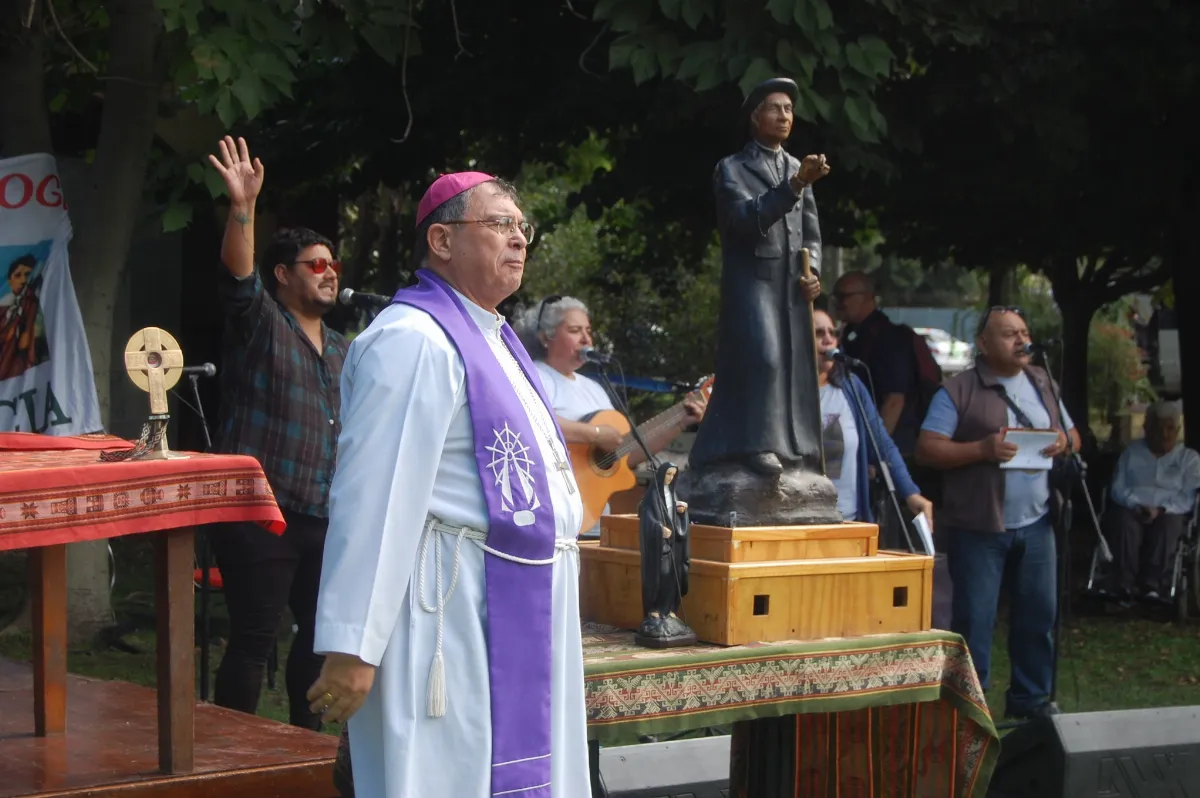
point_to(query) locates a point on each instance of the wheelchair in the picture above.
(1184, 593)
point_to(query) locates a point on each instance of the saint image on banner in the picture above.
(23, 342)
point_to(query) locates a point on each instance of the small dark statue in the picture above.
(665, 561)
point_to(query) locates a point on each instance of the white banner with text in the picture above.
(46, 381)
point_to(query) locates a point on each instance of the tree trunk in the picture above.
(997, 276)
(24, 119)
(1077, 306)
(104, 210)
(1185, 274)
(105, 214)
(1077, 312)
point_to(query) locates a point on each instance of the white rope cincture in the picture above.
(437, 698)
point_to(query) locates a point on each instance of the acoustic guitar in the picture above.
(600, 474)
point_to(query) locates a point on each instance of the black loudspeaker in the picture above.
(696, 768)
(1138, 753)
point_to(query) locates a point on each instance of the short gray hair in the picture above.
(1164, 410)
(544, 317)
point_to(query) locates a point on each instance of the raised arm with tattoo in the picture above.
(244, 180)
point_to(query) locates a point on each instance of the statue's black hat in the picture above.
(762, 90)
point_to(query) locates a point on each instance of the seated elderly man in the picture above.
(1153, 488)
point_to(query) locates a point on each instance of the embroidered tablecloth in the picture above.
(882, 715)
(52, 496)
(899, 714)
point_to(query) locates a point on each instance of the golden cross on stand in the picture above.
(154, 362)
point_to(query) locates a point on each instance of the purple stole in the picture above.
(520, 524)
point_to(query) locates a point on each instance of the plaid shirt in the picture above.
(280, 400)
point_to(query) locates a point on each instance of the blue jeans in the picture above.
(980, 564)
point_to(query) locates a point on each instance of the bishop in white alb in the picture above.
(407, 454)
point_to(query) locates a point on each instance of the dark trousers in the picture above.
(1145, 552)
(980, 564)
(264, 573)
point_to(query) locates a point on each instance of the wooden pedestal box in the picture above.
(754, 543)
(745, 595)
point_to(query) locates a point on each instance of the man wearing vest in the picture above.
(999, 521)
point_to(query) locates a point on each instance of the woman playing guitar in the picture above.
(556, 331)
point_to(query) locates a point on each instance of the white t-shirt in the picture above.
(573, 397)
(839, 434)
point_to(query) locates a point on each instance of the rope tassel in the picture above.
(437, 698)
(437, 686)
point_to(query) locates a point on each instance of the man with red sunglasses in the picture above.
(280, 403)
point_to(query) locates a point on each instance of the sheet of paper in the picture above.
(925, 532)
(1030, 443)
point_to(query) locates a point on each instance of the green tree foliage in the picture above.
(1026, 155)
(839, 54)
(1116, 374)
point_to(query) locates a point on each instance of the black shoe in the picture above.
(765, 463)
(1039, 712)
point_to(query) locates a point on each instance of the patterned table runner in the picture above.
(57, 496)
(895, 715)
(883, 715)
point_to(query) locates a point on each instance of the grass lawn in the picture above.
(1129, 660)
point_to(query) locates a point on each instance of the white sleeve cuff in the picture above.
(336, 638)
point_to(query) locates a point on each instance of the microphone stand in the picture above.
(884, 470)
(1078, 472)
(195, 379)
(621, 407)
(205, 556)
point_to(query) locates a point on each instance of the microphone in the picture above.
(1040, 346)
(838, 356)
(204, 370)
(592, 355)
(353, 298)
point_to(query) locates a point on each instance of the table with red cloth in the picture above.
(56, 491)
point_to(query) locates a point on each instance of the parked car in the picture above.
(950, 353)
(1165, 360)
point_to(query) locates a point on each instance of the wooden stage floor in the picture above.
(111, 748)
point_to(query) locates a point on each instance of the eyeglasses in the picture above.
(841, 296)
(504, 225)
(997, 309)
(547, 302)
(319, 265)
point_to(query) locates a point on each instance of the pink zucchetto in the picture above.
(446, 187)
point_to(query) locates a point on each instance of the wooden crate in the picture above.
(755, 543)
(735, 603)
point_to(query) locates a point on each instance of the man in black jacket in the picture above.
(758, 450)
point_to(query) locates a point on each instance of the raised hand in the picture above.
(812, 169)
(243, 177)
